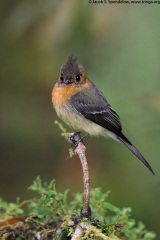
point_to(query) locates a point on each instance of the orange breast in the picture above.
(61, 94)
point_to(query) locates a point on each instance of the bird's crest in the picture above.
(70, 68)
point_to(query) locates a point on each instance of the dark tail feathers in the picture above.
(135, 151)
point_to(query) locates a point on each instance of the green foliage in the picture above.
(50, 209)
(8, 209)
(49, 204)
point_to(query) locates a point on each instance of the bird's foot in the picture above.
(75, 138)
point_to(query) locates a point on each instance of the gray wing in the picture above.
(92, 104)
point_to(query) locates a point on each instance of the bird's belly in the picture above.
(78, 122)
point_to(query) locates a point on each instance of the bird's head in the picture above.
(72, 73)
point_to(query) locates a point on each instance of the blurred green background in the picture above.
(118, 45)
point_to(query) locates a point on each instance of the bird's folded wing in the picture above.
(93, 106)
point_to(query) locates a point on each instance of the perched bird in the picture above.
(80, 104)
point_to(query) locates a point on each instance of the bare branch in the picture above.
(80, 149)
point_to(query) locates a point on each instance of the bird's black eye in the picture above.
(61, 78)
(78, 78)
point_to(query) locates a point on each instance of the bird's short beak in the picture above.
(68, 81)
